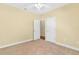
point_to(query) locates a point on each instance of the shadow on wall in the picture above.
(42, 28)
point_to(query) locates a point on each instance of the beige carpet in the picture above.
(38, 47)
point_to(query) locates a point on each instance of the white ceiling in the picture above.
(30, 7)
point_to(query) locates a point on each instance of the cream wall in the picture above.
(67, 19)
(42, 27)
(15, 25)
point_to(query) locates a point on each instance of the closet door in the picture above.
(36, 29)
(50, 29)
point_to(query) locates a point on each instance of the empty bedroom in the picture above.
(39, 28)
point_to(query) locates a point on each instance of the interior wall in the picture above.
(42, 27)
(67, 19)
(15, 25)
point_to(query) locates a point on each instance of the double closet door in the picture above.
(50, 29)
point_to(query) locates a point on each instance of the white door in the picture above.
(50, 29)
(36, 29)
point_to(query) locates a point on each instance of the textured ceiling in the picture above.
(30, 7)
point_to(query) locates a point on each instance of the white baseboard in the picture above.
(67, 46)
(8, 45)
(64, 45)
